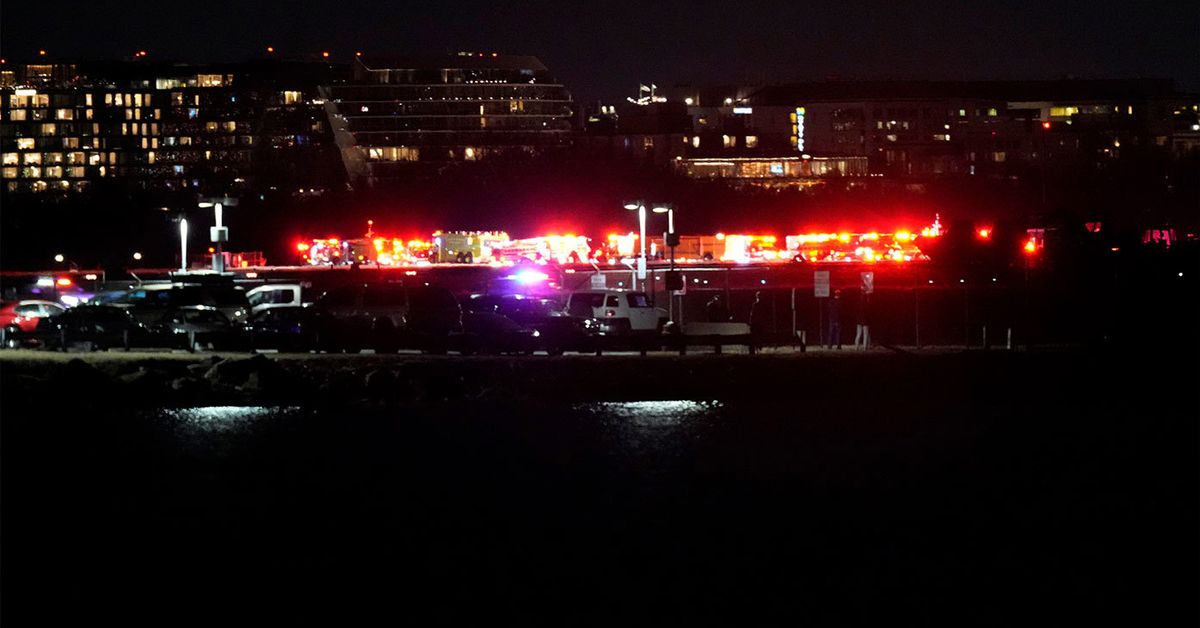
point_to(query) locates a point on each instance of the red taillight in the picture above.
(64, 281)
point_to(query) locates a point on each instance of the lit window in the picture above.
(31, 158)
(118, 100)
(137, 114)
(137, 100)
(70, 142)
(49, 129)
(76, 172)
(16, 115)
(728, 141)
(53, 158)
(54, 172)
(129, 114)
(211, 127)
(751, 141)
(25, 143)
(999, 156)
(291, 98)
(94, 159)
(88, 114)
(10, 173)
(87, 98)
(108, 99)
(230, 127)
(150, 157)
(9, 159)
(75, 159)
(695, 141)
(992, 112)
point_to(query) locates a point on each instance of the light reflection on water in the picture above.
(655, 413)
(224, 418)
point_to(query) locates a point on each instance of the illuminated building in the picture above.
(168, 127)
(435, 110)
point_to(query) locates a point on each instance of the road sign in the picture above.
(821, 283)
(868, 282)
(599, 281)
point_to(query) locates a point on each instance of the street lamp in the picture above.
(640, 207)
(183, 234)
(218, 234)
(671, 239)
(59, 258)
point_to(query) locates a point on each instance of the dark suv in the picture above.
(387, 316)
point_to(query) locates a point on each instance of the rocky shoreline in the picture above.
(399, 380)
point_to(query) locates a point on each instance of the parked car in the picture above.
(386, 316)
(149, 303)
(92, 327)
(290, 328)
(194, 327)
(616, 312)
(519, 323)
(17, 317)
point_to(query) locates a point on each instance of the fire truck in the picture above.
(465, 247)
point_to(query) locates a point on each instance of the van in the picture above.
(616, 312)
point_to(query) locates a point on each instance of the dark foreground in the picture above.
(1052, 489)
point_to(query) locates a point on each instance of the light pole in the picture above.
(640, 207)
(218, 234)
(183, 234)
(671, 239)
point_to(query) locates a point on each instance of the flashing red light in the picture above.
(211, 250)
(985, 233)
(1046, 125)
(64, 281)
(1031, 246)
(303, 246)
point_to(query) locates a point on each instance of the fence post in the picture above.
(917, 314)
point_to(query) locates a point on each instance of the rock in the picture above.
(200, 369)
(186, 384)
(379, 383)
(235, 372)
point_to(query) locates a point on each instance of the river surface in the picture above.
(850, 511)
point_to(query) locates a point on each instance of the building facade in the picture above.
(66, 127)
(396, 113)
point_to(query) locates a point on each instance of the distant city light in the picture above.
(137, 255)
(325, 54)
(59, 258)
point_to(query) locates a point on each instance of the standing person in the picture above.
(758, 315)
(833, 320)
(716, 310)
(862, 328)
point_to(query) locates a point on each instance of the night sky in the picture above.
(603, 49)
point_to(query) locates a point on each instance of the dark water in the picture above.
(921, 509)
